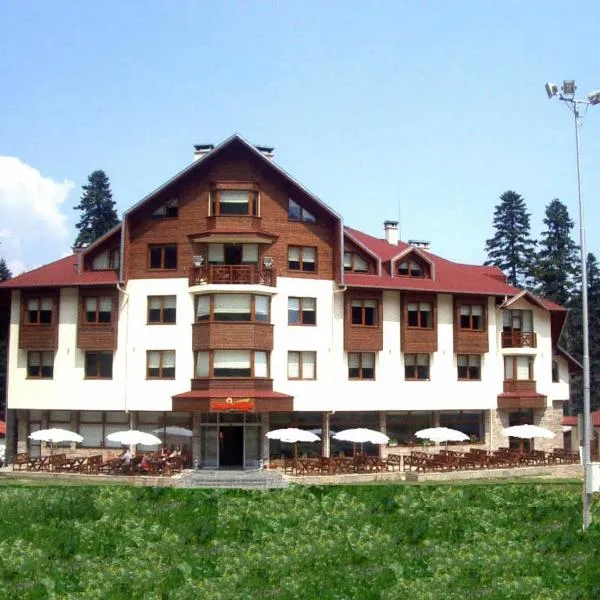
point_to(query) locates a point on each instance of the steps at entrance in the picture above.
(250, 479)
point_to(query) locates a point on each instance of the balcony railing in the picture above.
(519, 339)
(232, 274)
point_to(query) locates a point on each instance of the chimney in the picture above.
(391, 232)
(422, 244)
(201, 150)
(267, 151)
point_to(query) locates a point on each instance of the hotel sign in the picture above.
(232, 404)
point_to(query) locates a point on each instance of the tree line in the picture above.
(551, 268)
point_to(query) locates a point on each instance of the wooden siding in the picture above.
(237, 383)
(414, 339)
(469, 341)
(97, 336)
(192, 192)
(518, 385)
(356, 337)
(225, 335)
(522, 402)
(39, 336)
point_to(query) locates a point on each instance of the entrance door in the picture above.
(233, 254)
(231, 446)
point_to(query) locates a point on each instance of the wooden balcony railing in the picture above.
(232, 274)
(519, 339)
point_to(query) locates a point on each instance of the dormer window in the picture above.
(410, 268)
(297, 213)
(234, 201)
(169, 210)
(107, 260)
(355, 263)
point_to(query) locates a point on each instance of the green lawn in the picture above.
(493, 541)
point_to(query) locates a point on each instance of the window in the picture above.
(302, 365)
(297, 213)
(518, 320)
(410, 268)
(162, 309)
(169, 210)
(302, 258)
(98, 365)
(302, 311)
(469, 366)
(232, 363)
(361, 365)
(555, 372)
(39, 311)
(471, 316)
(107, 260)
(354, 262)
(416, 366)
(98, 309)
(163, 257)
(364, 313)
(420, 314)
(518, 368)
(40, 365)
(233, 307)
(233, 254)
(160, 364)
(234, 202)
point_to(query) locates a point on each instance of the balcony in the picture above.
(232, 275)
(519, 339)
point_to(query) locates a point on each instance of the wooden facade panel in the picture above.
(514, 386)
(97, 337)
(232, 336)
(418, 339)
(224, 383)
(519, 402)
(358, 338)
(38, 337)
(192, 192)
(260, 405)
(470, 341)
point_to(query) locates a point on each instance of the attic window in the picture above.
(297, 213)
(410, 268)
(354, 262)
(169, 210)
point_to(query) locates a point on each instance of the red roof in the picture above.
(62, 272)
(2, 428)
(450, 277)
(573, 420)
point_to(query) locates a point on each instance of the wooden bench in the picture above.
(394, 461)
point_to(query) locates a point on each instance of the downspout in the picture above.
(126, 306)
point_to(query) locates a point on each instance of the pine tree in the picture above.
(511, 248)
(98, 213)
(5, 272)
(557, 264)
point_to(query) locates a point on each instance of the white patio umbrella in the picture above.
(528, 432)
(292, 435)
(174, 430)
(133, 437)
(360, 435)
(441, 434)
(55, 436)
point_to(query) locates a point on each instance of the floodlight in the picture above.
(594, 97)
(551, 89)
(568, 87)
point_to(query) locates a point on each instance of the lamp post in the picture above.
(567, 95)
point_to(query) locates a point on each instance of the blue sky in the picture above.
(427, 110)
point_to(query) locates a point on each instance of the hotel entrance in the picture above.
(230, 441)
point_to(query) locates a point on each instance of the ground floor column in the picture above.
(196, 433)
(264, 444)
(325, 438)
(383, 429)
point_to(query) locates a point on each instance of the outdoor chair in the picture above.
(21, 461)
(393, 461)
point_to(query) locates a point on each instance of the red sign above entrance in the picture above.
(231, 404)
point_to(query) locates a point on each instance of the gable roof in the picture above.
(236, 138)
(450, 277)
(62, 272)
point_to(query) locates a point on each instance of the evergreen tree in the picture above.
(98, 213)
(511, 248)
(5, 272)
(557, 264)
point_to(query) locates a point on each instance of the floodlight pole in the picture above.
(573, 105)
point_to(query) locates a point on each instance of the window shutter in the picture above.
(260, 364)
(293, 365)
(250, 253)
(216, 253)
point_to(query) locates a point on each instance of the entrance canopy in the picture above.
(233, 400)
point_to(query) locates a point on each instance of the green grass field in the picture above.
(494, 541)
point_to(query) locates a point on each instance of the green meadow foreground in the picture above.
(496, 541)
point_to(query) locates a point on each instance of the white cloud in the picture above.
(33, 228)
